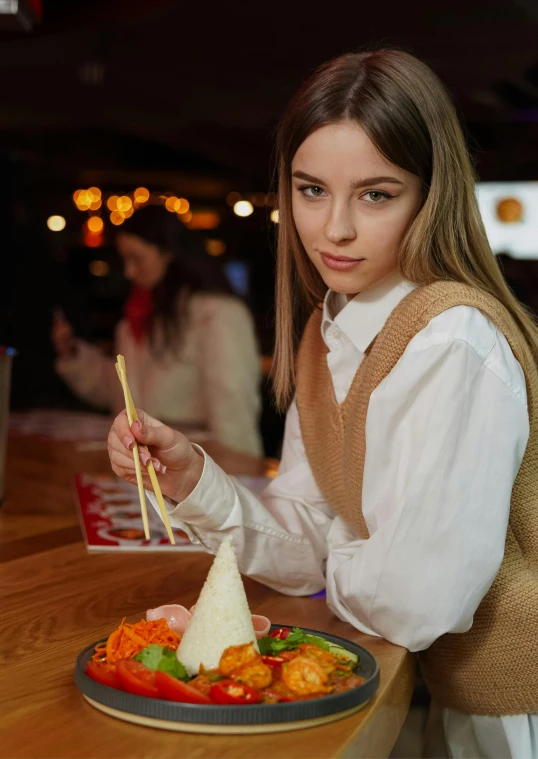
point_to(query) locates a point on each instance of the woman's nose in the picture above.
(340, 227)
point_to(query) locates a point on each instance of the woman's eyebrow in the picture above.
(354, 185)
(308, 177)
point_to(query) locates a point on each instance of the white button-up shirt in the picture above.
(446, 431)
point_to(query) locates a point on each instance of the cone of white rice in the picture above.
(221, 617)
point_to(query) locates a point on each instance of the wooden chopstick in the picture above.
(132, 416)
(136, 456)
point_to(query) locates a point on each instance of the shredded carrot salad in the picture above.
(128, 640)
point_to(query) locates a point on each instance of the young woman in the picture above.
(409, 478)
(189, 345)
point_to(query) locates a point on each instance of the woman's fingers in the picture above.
(121, 455)
(121, 440)
(120, 435)
(124, 467)
(159, 437)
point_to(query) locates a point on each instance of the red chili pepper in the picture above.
(273, 661)
(230, 692)
(282, 633)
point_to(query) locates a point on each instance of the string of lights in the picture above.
(117, 208)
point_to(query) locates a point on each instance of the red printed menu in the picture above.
(109, 513)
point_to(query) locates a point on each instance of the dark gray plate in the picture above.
(251, 714)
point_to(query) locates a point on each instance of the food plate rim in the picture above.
(213, 714)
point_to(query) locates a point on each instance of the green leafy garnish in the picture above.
(163, 659)
(273, 646)
(268, 645)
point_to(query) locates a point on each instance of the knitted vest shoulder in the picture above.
(493, 668)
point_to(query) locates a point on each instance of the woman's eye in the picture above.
(312, 191)
(377, 196)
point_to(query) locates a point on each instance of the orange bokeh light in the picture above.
(171, 203)
(124, 203)
(215, 247)
(204, 220)
(141, 195)
(117, 218)
(95, 224)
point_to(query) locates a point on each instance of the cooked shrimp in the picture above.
(234, 657)
(253, 673)
(327, 660)
(303, 676)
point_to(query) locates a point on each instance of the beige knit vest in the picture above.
(493, 668)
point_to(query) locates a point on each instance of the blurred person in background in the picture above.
(189, 344)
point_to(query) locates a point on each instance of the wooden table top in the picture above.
(56, 598)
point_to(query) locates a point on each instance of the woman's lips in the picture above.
(340, 263)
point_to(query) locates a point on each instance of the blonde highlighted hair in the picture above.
(410, 117)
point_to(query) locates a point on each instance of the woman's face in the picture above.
(351, 207)
(143, 263)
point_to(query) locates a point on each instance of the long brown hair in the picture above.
(409, 115)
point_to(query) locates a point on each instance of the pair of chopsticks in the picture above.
(132, 416)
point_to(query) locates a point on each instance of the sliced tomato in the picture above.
(281, 633)
(230, 692)
(136, 678)
(273, 661)
(103, 673)
(175, 690)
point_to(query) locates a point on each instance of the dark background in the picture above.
(185, 98)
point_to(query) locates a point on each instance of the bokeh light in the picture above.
(171, 203)
(124, 203)
(112, 203)
(99, 268)
(141, 195)
(83, 200)
(274, 215)
(203, 220)
(243, 208)
(94, 193)
(56, 223)
(117, 218)
(215, 247)
(182, 206)
(95, 224)
(92, 240)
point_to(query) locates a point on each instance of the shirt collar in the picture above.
(363, 318)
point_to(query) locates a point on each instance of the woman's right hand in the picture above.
(177, 464)
(63, 337)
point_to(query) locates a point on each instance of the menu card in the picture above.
(110, 517)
